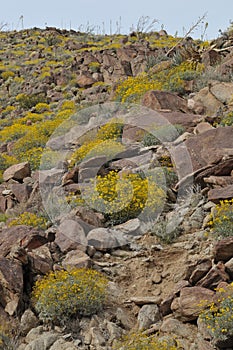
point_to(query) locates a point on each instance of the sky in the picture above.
(106, 16)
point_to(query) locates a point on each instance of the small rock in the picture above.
(148, 315)
(76, 259)
(17, 172)
(27, 322)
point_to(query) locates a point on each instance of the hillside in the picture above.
(116, 191)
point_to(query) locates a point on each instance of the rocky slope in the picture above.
(165, 253)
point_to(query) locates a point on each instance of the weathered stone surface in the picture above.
(220, 193)
(61, 344)
(76, 259)
(187, 306)
(39, 340)
(23, 236)
(159, 100)
(70, 177)
(51, 177)
(90, 217)
(216, 275)
(199, 270)
(210, 103)
(41, 260)
(70, 235)
(175, 327)
(85, 80)
(219, 180)
(210, 147)
(229, 267)
(148, 315)
(223, 250)
(223, 91)
(27, 322)
(21, 192)
(143, 300)
(11, 284)
(104, 238)
(17, 172)
(211, 58)
(202, 127)
(131, 227)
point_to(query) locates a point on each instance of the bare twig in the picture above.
(194, 26)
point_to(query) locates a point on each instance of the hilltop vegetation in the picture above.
(116, 186)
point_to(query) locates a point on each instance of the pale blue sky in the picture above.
(175, 16)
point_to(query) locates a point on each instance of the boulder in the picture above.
(11, 284)
(206, 99)
(76, 259)
(223, 250)
(202, 127)
(229, 268)
(148, 315)
(187, 306)
(160, 100)
(21, 236)
(17, 172)
(21, 191)
(105, 238)
(210, 147)
(27, 322)
(215, 275)
(199, 270)
(70, 236)
(85, 80)
(41, 260)
(220, 193)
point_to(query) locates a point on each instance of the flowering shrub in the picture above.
(139, 341)
(105, 143)
(29, 219)
(218, 315)
(172, 78)
(13, 132)
(227, 120)
(29, 101)
(63, 294)
(123, 197)
(42, 107)
(7, 74)
(221, 222)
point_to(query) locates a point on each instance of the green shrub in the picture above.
(218, 315)
(29, 219)
(123, 197)
(139, 341)
(221, 222)
(29, 101)
(7, 74)
(62, 295)
(227, 120)
(165, 133)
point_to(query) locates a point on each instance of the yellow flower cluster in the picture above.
(218, 315)
(63, 294)
(170, 79)
(221, 222)
(29, 219)
(105, 143)
(139, 341)
(123, 197)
